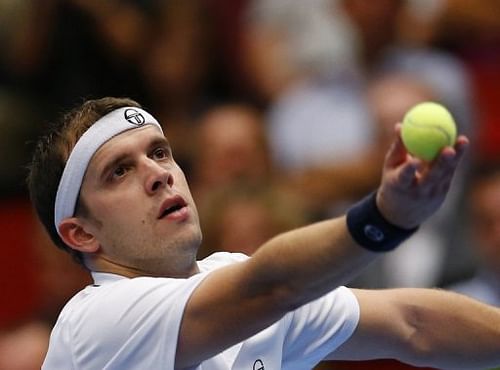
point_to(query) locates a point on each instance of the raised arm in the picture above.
(294, 268)
(424, 327)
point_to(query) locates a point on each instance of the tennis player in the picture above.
(106, 186)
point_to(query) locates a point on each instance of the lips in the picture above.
(171, 206)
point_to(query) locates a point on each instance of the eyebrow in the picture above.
(116, 160)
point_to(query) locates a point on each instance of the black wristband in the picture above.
(371, 230)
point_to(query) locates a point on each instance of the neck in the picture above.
(178, 270)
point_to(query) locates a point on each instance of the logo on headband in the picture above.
(134, 117)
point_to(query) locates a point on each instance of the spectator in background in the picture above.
(157, 51)
(235, 183)
(471, 31)
(389, 45)
(242, 217)
(313, 62)
(179, 71)
(24, 347)
(18, 118)
(303, 62)
(61, 51)
(232, 148)
(483, 202)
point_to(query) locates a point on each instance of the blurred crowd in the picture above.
(280, 113)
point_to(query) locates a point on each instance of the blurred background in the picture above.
(279, 112)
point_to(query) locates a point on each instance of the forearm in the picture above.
(310, 261)
(450, 330)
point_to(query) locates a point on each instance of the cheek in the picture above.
(124, 231)
(181, 183)
(122, 212)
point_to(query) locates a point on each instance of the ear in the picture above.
(76, 235)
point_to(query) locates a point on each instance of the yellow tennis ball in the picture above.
(427, 128)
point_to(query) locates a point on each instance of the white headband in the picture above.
(101, 131)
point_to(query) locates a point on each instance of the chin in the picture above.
(189, 242)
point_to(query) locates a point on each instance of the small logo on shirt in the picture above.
(258, 365)
(134, 117)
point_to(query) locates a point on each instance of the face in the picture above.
(234, 138)
(142, 212)
(246, 225)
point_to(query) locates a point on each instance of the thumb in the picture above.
(397, 152)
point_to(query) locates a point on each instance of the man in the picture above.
(107, 188)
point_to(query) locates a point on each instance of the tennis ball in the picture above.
(427, 128)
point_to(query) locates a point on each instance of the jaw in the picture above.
(174, 257)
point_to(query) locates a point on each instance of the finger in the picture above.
(461, 146)
(445, 165)
(397, 153)
(408, 172)
(458, 150)
(451, 156)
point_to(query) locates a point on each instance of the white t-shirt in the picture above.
(121, 323)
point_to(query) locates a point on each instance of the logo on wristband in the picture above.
(373, 233)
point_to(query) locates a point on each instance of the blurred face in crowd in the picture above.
(405, 91)
(235, 141)
(142, 216)
(485, 206)
(245, 225)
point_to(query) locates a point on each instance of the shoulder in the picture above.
(220, 259)
(129, 294)
(122, 319)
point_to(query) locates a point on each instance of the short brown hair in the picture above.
(51, 153)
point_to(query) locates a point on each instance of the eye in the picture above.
(160, 153)
(118, 172)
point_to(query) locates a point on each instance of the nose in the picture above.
(157, 176)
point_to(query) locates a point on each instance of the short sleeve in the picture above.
(318, 328)
(131, 323)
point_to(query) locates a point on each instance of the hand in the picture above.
(412, 189)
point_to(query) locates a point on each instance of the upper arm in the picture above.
(223, 310)
(384, 329)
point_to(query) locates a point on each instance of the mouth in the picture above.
(172, 206)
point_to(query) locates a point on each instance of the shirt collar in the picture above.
(101, 278)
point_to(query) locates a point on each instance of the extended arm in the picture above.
(424, 327)
(235, 302)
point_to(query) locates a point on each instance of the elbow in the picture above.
(427, 342)
(442, 330)
(418, 346)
